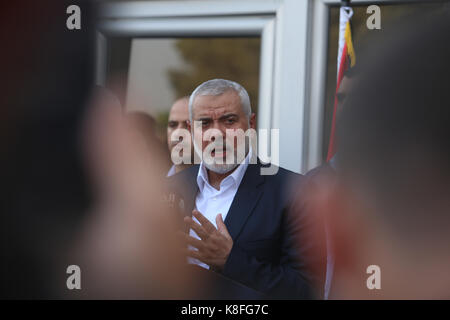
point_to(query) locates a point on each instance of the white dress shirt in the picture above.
(210, 201)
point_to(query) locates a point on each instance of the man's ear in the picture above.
(253, 121)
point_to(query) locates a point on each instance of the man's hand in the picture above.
(215, 244)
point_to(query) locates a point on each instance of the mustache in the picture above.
(220, 146)
(226, 146)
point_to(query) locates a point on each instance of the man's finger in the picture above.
(187, 239)
(194, 254)
(197, 228)
(208, 226)
(194, 242)
(221, 226)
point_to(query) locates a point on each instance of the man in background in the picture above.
(178, 118)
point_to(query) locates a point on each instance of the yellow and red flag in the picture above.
(346, 59)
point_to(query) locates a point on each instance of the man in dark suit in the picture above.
(237, 219)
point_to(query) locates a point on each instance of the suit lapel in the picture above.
(245, 200)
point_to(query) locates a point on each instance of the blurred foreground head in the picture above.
(45, 85)
(77, 187)
(391, 207)
(127, 247)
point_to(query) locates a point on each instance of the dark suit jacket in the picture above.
(266, 255)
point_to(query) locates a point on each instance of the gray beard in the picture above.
(220, 168)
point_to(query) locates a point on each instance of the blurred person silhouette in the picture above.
(306, 191)
(77, 189)
(388, 209)
(144, 122)
(146, 132)
(126, 244)
(46, 81)
(178, 119)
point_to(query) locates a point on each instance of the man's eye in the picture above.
(230, 121)
(173, 124)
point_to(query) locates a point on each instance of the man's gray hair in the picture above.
(216, 87)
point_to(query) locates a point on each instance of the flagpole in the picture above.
(345, 59)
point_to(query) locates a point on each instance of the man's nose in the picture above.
(213, 133)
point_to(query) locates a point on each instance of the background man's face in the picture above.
(344, 89)
(223, 112)
(178, 118)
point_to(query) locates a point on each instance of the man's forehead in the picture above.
(216, 106)
(179, 110)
